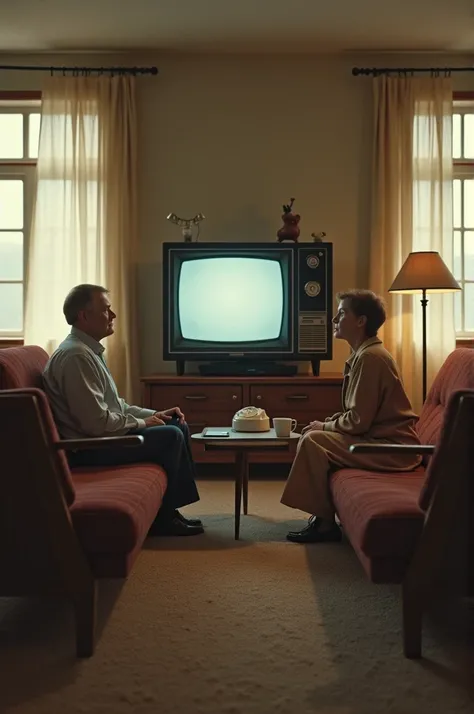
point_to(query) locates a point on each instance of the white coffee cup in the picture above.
(284, 426)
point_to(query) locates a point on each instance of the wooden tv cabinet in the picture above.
(213, 401)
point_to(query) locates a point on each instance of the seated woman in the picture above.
(375, 407)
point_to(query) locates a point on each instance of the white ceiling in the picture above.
(237, 25)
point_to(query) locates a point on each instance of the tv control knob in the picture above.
(312, 261)
(312, 288)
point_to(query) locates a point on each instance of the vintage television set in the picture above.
(247, 308)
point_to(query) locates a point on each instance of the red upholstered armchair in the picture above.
(384, 515)
(61, 530)
(446, 498)
(40, 552)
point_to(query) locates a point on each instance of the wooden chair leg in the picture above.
(85, 618)
(412, 625)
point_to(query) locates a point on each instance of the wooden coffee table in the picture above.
(243, 443)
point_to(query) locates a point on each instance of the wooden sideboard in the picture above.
(213, 401)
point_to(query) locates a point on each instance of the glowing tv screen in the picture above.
(230, 299)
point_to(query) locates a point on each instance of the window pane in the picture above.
(11, 136)
(33, 135)
(11, 255)
(456, 136)
(457, 250)
(11, 307)
(458, 311)
(469, 136)
(11, 204)
(469, 307)
(469, 255)
(469, 203)
(457, 220)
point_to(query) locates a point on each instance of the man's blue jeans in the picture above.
(168, 446)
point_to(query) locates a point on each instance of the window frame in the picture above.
(25, 168)
(463, 103)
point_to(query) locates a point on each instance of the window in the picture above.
(19, 137)
(463, 213)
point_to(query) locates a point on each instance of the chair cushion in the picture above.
(442, 455)
(456, 373)
(22, 367)
(379, 512)
(115, 505)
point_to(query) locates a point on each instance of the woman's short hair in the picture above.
(79, 299)
(365, 303)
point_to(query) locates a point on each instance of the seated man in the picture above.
(85, 403)
(375, 407)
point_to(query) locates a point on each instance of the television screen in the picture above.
(231, 299)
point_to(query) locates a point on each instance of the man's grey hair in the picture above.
(79, 299)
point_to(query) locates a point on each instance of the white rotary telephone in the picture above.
(251, 419)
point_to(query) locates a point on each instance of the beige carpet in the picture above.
(209, 625)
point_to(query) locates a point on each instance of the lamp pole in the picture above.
(424, 303)
(424, 268)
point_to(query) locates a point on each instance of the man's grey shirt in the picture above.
(82, 392)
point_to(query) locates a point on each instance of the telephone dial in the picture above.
(251, 419)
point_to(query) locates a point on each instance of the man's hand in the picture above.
(168, 414)
(313, 426)
(154, 420)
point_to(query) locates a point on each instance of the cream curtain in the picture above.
(84, 225)
(412, 211)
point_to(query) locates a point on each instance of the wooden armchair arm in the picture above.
(99, 442)
(392, 449)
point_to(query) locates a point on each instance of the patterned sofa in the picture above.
(385, 514)
(77, 525)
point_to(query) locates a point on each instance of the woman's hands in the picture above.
(313, 426)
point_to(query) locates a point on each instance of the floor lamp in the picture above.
(424, 271)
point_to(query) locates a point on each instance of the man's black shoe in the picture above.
(174, 527)
(188, 521)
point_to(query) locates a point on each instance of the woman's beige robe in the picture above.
(375, 408)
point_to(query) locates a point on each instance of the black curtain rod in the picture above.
(83, 70)
(377, 71)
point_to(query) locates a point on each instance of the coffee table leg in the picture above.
(245, 484)
(241, 468)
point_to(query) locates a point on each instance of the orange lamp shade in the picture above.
(424, 270)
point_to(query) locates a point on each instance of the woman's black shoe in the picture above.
(312, 534)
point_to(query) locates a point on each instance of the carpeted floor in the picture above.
(260, 626)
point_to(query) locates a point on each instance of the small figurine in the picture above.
(318, 237)
(290, 229)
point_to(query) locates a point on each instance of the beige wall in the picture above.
(235, 137)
